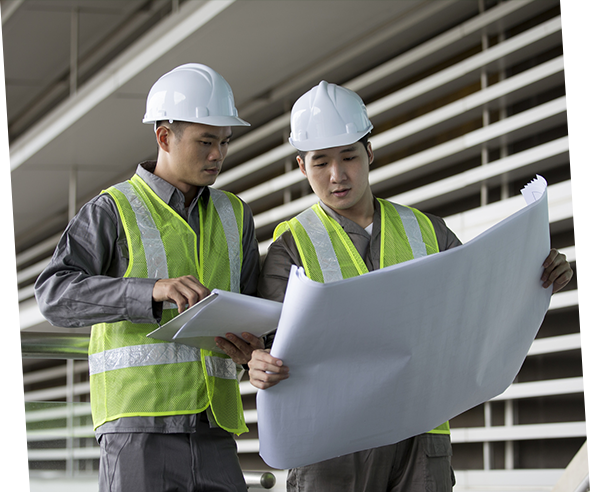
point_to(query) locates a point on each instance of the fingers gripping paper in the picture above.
(396, 352)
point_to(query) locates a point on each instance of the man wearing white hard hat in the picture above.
(132, 259)
(357, 232)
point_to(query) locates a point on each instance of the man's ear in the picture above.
(163, 137)
(370, 153)
(301, 164)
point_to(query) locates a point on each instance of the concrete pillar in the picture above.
(73, 193)
(74, 36)
(485, 112)
(70, 417)
(487, 446)
(508, 445)
(2, 116)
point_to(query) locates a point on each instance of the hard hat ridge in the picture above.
(327, 116)
(194, 93)
(323, 111)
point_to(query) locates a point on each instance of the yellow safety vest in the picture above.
(329, 255)
(132, 375)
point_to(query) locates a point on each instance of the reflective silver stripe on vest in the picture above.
(322, 244)
(219, 367)
(226, 213)
(142, 355)
(155, 254)
(412, 229)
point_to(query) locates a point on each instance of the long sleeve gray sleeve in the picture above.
(83, 283)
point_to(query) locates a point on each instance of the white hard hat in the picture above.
(195, 93)
(328, 116)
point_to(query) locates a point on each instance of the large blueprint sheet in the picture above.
(396, 352)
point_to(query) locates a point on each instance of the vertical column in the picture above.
(504, 187)
(70, 372)
(288, 168)
(73, 193)
(289, 160)
(504, 195)
(74, 36)
(509, 445)
(287, 192)
(485, 111)
(70, 418)
(487, 447)
(2, 116)
(484, 198)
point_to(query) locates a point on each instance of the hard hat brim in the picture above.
(209, 120)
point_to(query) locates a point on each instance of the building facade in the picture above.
(468, 103)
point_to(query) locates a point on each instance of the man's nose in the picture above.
(215, 154)
(337, 173)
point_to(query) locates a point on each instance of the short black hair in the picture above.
(364, 140)
(176, 127)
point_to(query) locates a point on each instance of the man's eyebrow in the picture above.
(215, 137)
(316, 157)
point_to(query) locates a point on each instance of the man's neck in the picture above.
(362, 214)
(189, 191)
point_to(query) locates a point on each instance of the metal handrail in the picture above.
(45, 345)
(256, 479)
(42, 345)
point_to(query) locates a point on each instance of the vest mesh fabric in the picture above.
(149, 384)
(213, 240)
(394, 241)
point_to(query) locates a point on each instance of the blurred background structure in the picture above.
(468, 102)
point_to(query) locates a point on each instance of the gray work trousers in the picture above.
(205, 460)
(418, 464)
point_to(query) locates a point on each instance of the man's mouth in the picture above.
(341, 192)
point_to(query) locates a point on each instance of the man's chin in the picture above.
(206, 180)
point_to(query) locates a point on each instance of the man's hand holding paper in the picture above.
(557, 271)
(240, 349)
(266, 370)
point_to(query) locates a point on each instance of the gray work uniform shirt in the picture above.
(84, 285)
(283, 252)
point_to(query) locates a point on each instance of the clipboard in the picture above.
(219, 313)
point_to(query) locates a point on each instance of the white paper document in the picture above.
(381, 357)
(220, 313)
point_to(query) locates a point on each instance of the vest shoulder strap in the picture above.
(228, 206)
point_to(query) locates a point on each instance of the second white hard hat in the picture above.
(328, 116)
(194, 93)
